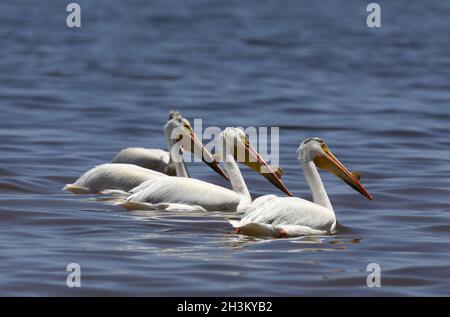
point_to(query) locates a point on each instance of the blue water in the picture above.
(72, 98)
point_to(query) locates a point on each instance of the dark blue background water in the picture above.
(71, 98)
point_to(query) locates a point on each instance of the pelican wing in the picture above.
(185, 191)
(112, 177)
(154, 159)
(279, 212)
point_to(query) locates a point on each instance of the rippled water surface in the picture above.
(71, 98)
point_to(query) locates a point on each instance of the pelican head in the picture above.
(315, 149)
(238, 145)
(178, 130)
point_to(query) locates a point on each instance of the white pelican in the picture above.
(155, 159)
(123, 177)
(163, 192)
(293, 216)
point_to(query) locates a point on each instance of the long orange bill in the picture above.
(256, 162)
(199, 149)
(333, 165)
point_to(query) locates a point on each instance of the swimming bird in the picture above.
(162, 193)
(292, 216)
(123, 177)
(155, 159)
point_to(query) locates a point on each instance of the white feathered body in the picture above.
(184, 191)
(109, 176)
(287, 216)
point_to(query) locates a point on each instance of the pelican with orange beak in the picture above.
(192, 194)
(127, 170)
(292, 216)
